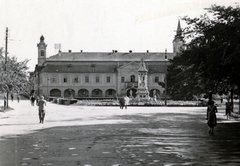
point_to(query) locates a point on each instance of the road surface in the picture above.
(108, 136)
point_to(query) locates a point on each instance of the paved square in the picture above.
(102, 136)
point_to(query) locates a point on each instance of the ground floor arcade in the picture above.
(97, 93)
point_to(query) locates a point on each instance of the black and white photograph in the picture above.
(119, 82)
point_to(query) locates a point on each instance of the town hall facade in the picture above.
(101, 74)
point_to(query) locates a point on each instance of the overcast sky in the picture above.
(94, 25)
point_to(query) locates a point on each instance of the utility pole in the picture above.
(5, 67)
(165, 76)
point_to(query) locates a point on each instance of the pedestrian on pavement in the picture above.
(12, 97)
(41, 109)
(18, 98)
(212, 118)
(5, 102)
(228, 108)
(208, 103)
(37, 99)
(32, 99)
(126, 101)
(121, 102)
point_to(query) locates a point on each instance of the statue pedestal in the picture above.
(142, 94)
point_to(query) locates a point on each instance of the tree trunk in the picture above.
(231, 97)
(239, 99)
(7, 100)
(209, 97)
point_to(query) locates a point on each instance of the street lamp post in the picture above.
(165, 76)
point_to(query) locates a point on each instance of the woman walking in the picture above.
(211, 118)
(228, 108)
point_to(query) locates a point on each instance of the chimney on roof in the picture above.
(130, 51)
(147, 51)
(69, 50)
(113, 51)
(81, 51)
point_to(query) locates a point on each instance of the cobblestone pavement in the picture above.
(136, 136)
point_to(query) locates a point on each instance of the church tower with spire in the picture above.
(178, 39)
(42, 47)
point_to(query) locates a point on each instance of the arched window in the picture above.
(42, 53)
(132, 78)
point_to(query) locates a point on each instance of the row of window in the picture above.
(76, 79)
(97, 79)
(132, 79)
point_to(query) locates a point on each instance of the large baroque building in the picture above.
(101, 74)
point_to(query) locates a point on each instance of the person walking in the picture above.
(126, 101)
(12, 97)
(5, 102)
(211, 117)
(37, 99)
(32, 98)
(41, 109)
(121, 102)
(18, 98)
(228, 108)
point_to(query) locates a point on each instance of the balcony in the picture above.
(131, 84)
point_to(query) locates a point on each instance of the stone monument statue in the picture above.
(142, 91)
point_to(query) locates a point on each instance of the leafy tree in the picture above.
(14, 76)
(211, 60)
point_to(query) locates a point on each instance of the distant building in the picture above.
(100, 74)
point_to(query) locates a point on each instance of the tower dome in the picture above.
(42, 38)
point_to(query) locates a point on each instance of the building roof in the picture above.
(110, 56)
(100, 67)
(99, 62)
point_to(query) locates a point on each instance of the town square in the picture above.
(107, 135)
(119, 83)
